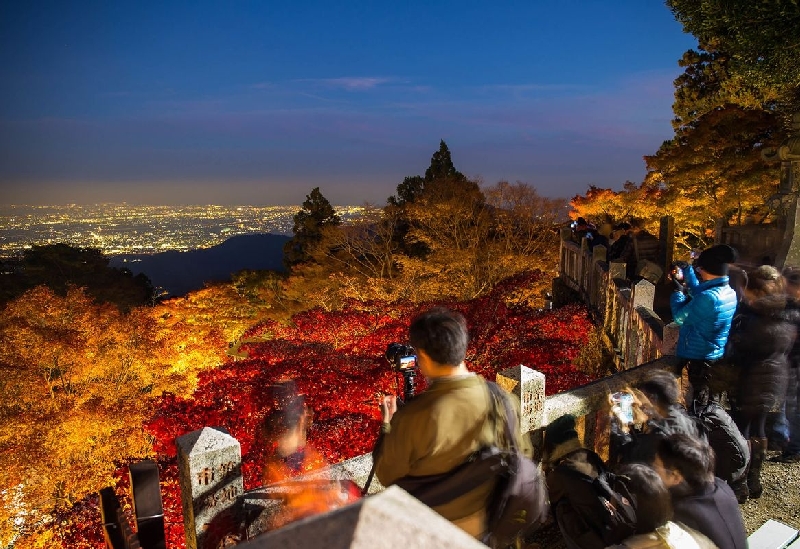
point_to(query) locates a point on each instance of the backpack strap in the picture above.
(510, 424)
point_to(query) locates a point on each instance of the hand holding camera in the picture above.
(676, 274)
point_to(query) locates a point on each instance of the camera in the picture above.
(401, 357)
(573, 225)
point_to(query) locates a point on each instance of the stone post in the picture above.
(210, 475)
(669, 339)
(528, 385)
(642, 295)
(617, 269)
(666, 236)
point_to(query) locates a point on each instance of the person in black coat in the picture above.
(573, 472)
(699, 500)
(763, 337)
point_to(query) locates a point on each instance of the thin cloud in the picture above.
(354, 83)
(516, 89)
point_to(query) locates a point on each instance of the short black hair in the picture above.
(442, 334)
(692, 457)
(662, 385)
(652, 499)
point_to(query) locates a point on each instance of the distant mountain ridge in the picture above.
(182, 272)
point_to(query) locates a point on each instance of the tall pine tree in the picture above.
(316, 214)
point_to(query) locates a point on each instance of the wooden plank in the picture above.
(772, 535)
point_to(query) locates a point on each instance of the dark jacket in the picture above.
(622, 250)
(704, 316)
(713, 512)
(764, 336)
(580, 511)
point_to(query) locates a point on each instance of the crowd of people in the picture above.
(625, 242)
(686, 447)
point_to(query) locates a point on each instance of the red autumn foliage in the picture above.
(337, 360)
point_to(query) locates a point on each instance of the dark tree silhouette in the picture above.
(309, 222)
(59, 266)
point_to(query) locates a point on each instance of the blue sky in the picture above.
(259, 102)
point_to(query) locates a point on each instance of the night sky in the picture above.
(259, 102)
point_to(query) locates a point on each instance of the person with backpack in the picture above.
(591, 507)
(699, 499)
(444, 428)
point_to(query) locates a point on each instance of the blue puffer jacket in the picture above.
(704, 318)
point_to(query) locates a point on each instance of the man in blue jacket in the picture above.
(703, 305)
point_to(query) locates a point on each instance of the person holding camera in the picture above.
(439, 429)
(703, 305)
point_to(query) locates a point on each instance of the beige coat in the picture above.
(438, 431)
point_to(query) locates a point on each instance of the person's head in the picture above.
(683, 459)
(792, 277)
(651, 498)
(763, 281)
(289, 418)
(560, 440)
(737, 279)
(661, 389)
(440, 337)
(636, 225)
(621, 229)
(713, 262)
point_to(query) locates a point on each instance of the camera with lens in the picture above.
(401, 357)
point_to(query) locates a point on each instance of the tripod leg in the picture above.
(376, 452)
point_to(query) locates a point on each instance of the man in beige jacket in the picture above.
(443, 426)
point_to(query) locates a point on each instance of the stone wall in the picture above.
(633, 332)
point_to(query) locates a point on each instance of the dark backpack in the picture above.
(595, 511)
(724, 437)
(519, 502)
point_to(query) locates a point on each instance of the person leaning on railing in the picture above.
(703, 305)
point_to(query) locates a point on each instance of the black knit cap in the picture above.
(714, 260)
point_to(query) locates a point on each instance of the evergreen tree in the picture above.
(443, 188)
(309, 223)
